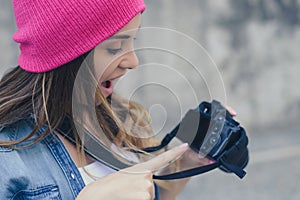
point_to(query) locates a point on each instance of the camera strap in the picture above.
(198, 128)
(233, 157)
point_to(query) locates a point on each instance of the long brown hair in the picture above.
(48, 96)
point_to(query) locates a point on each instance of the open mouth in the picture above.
(107, 88)
(106, 84)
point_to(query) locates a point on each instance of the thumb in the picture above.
(161, 160)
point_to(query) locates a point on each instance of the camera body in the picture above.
(211, 131)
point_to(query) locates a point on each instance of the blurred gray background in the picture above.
(256, 46)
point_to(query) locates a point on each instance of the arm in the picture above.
(168, 190)
(173, 189)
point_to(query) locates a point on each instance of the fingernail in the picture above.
(211, 162)
(234, 112)
(183, 146)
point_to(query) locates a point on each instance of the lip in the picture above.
(108, 90)
(116, 77)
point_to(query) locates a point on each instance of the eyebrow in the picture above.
(120, 36)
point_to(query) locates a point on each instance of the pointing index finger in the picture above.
(161, 160)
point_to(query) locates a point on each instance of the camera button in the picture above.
(213, 140)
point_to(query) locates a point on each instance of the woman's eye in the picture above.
(114, 51)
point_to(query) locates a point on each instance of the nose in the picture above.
(129, 60)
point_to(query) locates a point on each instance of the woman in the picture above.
(57, 39)
(71, 53)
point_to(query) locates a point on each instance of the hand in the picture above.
(133, 183)
(190, 159)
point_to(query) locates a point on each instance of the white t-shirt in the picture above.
(97, 170)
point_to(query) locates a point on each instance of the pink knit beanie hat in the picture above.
(52, 33)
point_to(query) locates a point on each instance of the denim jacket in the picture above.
(43, 171)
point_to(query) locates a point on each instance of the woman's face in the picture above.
(115, 55)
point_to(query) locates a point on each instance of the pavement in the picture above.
(272, 174)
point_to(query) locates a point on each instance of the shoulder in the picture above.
(19, 166)
(16, 131)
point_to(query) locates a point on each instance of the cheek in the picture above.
(104, 65)
(99, 71)
(100, 64)
(103, 71)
